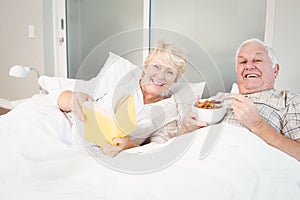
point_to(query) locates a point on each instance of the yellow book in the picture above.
(101, 127)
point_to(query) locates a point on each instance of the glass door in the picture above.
(92, 25)
(211, 31)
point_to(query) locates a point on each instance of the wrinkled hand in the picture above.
(190, 123)
(245, 111)
(77, 100)
(122, 144)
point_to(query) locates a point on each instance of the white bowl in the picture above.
(210, 116)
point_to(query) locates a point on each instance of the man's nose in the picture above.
(250, 65)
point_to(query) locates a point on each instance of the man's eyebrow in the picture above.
(241, 56)
(257, 53)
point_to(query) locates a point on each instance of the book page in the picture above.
(101, 127)
(125, 117)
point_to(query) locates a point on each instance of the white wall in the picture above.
(17, 48)
(286, 43)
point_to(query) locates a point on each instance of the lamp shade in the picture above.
(19, 71)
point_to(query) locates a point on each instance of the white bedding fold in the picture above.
(38, 161)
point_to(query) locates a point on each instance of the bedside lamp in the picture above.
(21, 72)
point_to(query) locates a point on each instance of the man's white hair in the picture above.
(269, 49)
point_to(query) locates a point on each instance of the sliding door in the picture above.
(92, 25)
(211, 30)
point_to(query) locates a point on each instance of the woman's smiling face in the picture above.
(158, 76)
(255, 71)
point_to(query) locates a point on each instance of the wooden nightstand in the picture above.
(5, 106)
(3, 110)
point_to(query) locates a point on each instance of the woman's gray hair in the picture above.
(269, 49)
(171, 53)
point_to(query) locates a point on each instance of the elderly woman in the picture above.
(156, 112)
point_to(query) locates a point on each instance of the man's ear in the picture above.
(276, 70)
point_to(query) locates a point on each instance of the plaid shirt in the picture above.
(280, 108)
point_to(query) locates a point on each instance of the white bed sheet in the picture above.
(39, 160)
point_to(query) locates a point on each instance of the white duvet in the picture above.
(39, 160)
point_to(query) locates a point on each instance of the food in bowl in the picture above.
(209, 111)
(208, 104)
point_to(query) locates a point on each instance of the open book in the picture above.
(101, 126)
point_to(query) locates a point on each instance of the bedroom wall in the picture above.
(286, 43)
(17, 48)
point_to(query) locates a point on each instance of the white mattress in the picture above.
(40, 159)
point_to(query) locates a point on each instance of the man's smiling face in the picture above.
(254, 69)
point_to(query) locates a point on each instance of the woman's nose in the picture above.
(161, 74)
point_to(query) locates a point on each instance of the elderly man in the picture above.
(271, 114)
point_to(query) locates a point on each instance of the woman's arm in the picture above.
(173, 129)
(122, 144)
(168, 131)
(64, 101)
(72, 101)
(190, 123)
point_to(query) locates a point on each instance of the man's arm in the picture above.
(243, 108)
(266, 132)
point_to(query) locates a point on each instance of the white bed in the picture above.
(38, 161)
(42, 157)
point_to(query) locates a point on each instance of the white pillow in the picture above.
(56, 84)
(117, 67)
(187, 93)
(114, 69)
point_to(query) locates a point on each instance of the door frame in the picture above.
(59, 38)
(60, 48)
(270, 21)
